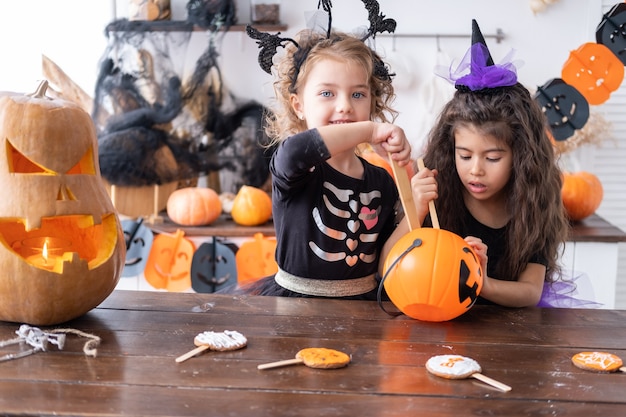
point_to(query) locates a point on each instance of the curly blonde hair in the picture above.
(538, 222)
(292, 69)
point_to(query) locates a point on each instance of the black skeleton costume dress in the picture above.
(330, 228)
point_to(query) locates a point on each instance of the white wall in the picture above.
(71, 33)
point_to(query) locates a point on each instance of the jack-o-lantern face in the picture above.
(594, 71)
(564, 107)
(138, 243)
(610, 31)
(213, 267)
(169, 263)
(62, 247)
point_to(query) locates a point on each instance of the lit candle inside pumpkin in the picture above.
(47, 256)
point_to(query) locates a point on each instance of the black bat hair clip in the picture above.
(268, 44)
(378, 23)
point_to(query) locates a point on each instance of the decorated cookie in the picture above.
(452, 366)
(222, 341)
(322, 358)
(597, 361)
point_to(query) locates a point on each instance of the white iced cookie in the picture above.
(226, 340)
(452, 366)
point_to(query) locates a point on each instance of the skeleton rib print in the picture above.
(353, 211)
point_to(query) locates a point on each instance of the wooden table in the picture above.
(143, 332)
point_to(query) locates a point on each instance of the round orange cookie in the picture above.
(452, 366)
(323, 358)
(597, 361)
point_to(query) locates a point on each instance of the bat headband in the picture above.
(269, 43)
(477, 71)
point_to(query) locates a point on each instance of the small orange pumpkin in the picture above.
(193, 206)
(251, 207)
(581, 193)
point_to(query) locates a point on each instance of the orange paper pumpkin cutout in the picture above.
(169, 263)
(255, 259)
(437, 276)
(594, 71)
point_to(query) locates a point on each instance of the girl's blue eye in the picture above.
(326, 94)
(358, 95)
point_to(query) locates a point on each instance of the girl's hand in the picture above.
(390, 139)
(424, 187)
(480, 249)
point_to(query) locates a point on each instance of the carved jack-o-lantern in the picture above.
(62, 248)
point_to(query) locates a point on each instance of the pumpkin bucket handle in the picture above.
(431, 204)
(406, 196)
(403, 183)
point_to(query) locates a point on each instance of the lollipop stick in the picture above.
(277, 364)
(431, 204)
(622, 369)
(403, 183)
(492, 382)
(192, 353)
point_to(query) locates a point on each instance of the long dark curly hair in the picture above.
(538, 222)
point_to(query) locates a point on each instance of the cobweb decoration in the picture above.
(156, 124)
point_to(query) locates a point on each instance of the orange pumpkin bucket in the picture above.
(431, 274)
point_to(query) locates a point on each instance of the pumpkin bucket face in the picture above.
(437, 277)
(62, 246)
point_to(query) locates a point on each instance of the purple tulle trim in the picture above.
(474, 73)
(564, 294)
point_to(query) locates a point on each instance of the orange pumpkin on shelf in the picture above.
(194, 206)
(582, 193)
(251, 206)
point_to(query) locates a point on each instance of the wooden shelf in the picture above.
(178, 26)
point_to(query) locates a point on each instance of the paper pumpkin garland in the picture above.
(213, 267)
(169, 263)
(610, 31)
(593, 71)
(564, 106)
(138, 243)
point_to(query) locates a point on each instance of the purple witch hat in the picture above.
(483, 73)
